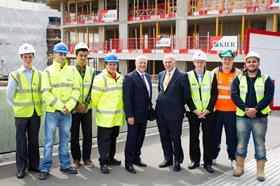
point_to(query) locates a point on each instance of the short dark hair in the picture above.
(27, 53)
(82, 49)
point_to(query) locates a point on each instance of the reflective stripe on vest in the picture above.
(259, 89)
(27, 96)
(109, 108)
(202, 102)
(224, 82)
(85, 83)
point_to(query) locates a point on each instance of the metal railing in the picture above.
(170, 43)
(227, 6)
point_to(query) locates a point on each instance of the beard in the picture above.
(252, 70)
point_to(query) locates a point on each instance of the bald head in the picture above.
(169, 61)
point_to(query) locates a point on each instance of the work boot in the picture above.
(260, 170)
(239, 170)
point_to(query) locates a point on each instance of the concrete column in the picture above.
(181, 65)
(101, 29)
(101, 33)
(181, 24)
(62, 21)
(269, 23)
(101, 5)
(123, 26)
(123, 66)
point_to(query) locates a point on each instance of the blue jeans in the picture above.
(258, 127)
(63, 122)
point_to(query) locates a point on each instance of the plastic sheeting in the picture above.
(22, 22)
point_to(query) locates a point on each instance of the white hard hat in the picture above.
(199, 55)
(81, 45)
(253, 54)
(26, 48)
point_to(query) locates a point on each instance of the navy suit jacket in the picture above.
(170, 103)
(136, 98)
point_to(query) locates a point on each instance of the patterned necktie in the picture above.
(166, 80)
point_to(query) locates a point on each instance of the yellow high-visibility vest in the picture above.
(60, 87)
(85, 84)
(202, 102)
(107, 98)
(259, 88)
(27, 97)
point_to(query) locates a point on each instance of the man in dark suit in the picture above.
(137, 93)
(170, 111)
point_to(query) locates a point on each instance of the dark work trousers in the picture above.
(84, 120)
(134, 141)
(27, 143)
(206, 125)
(170, 137)
(228, 120)
(106, 141)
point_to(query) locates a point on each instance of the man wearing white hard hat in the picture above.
(24, 95)
(82, 114)
(252, 92)
(204, 93)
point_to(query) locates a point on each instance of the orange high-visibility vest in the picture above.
(224, 81)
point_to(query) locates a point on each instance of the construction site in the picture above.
(157, 27)
(129, 28)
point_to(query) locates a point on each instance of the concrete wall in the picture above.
(8, 130)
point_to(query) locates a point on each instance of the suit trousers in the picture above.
(134, 141)
(106, 141)
(170, 137)
(228, 120)
(84, 120)
(27, 146)
(194, 149)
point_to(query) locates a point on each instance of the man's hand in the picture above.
(197, 112)
(81, 108)
(65, 110)
(130, 120)
(203, 114)
(251, 112)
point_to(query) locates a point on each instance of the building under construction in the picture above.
(156, 27)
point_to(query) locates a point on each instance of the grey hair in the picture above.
(141, 57)
(170, 56)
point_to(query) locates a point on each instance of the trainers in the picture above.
(76, 164)
(69, 170)
(43, 175)
(233, 164)
(89, 164)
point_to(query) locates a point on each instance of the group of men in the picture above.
(227, 97)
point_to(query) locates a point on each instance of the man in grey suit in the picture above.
(173, 94)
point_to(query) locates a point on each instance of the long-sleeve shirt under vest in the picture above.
(214, 95)
(251, 100)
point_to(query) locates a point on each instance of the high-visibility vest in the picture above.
(85, 84)
(107, 98)
(60, 87)
(259, 89)
(201, 101)
(224, 82)
(27, 97)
